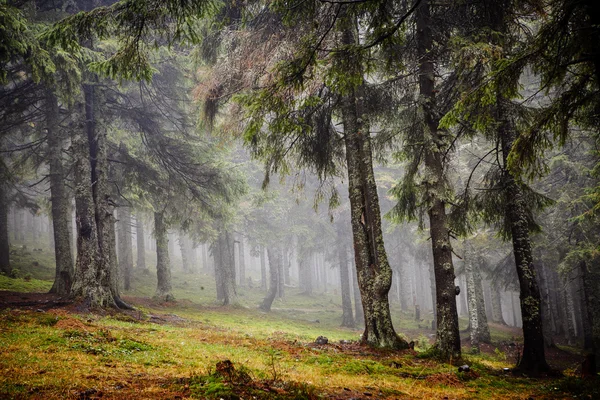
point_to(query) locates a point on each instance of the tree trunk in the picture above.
(263, 268)
(280, 282)
(91, 282)
(516, 217)
(374, 272)
(591, 284)
(588, 339)
(447, 334)
(497, 317)
(61, 210)
(275, 257)
(359, 314)
(4, 240)
(185, 252)
(347, 317)
(480, 332)
(193, 257)
(242, 261)
(141, 244)
(163, 264)
(223, 252)
(218, 270)
(286, 267)
(227, 267)
(305, 272)
(125, 246)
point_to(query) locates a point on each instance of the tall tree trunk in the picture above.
(263, 268)
(218, 270)
(280, 281)
(4, 240)
(480, 332)
(516, 217)
(91, 280)
(242, 261)
(447, 334)
(185, 252)
(205, 266)
(163, 264)
(588, 339)
(275, 260)
(193, 255)
(359, 314)
(286, 267)
(497, 317)
(347, 315)
(374, 272)
(125, 246)
(305, 272)
(105, 219)
(61, 210)
(591, 283)
(227, 267)
(141, 244)
(570, 311)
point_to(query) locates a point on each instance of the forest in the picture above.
(299, 199)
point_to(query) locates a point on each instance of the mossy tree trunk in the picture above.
(479, 330)
(447, 333)
(91, 283)
(163, 264)
(275, 261)
(373, 270)
(516, 217)
(61, 211)
(102, 194)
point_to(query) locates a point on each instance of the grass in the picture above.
(177, 349)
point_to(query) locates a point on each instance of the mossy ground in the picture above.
(172, 351)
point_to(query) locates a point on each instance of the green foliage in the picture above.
(135, 24)
(18, 42)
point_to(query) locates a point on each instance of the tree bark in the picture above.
(141, 244)
(91, 282)
(263, 268)
(242, 261)
(516, 217)
(185, 252)
(125, 246)
(280, 281)
(163, 264)
(479, 330)
(497, 317)
(359, 314)
(227, 267)
(447, 334)
(374, 272)
(4, 240)
(275, 260)
(61, 210)
(347, 315)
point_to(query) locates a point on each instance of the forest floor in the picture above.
(51, 348)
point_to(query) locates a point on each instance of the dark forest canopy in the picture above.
(455, 141)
